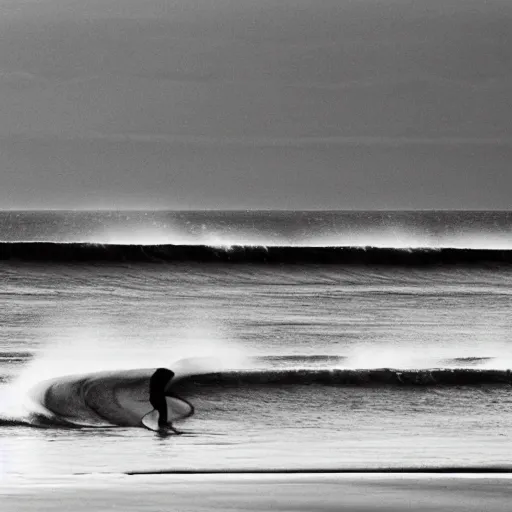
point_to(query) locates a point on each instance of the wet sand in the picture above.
(260, 492)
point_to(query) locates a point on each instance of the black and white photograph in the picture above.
(256, 255)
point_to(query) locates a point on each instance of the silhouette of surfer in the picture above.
(158, 384)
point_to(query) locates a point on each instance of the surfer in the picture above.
(158, 384)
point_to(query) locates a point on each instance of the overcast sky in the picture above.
(323, 104)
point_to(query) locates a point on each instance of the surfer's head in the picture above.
(161, 376)
(164, 371)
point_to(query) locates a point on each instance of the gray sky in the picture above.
(330, 104)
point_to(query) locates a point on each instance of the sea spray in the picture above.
(76, 344)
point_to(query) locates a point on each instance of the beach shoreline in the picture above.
(254, 492)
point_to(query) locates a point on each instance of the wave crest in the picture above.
(86, 252)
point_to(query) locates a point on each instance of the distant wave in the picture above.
(86, 252)
(14, 356)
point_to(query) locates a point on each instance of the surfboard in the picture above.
(176, 409)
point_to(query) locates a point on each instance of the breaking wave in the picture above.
(121, 398)
(87, 252)
(101, 399)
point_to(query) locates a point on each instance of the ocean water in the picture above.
(293, 354)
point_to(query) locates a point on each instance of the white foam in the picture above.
(83, 345)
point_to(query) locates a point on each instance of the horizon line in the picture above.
(253, 210)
